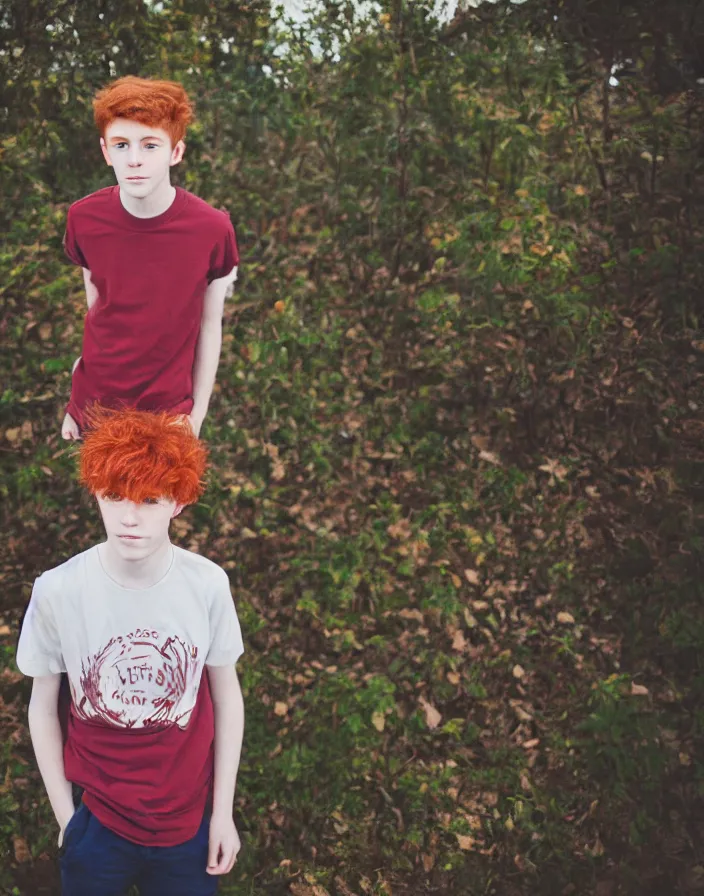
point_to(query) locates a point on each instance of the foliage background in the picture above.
(456, 438)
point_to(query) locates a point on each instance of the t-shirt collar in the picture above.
(130, 222)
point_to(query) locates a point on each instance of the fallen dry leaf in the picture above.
(639, 690)
(280, 708)
(555, 469)
(21, 850)
(301, 889)
(565, 618)
(400, 530)
(518, 671)
(405, 613)
(432, 716)
(472, 576)
(459, 642)
(378, 720)
(597, 849)
(465, 842)
(342, 888)
(481, 443)
(181, 526)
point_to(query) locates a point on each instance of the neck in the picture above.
(136, 574)
(151, 206)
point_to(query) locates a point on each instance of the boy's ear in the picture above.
(177, 509)
(105, 151)
(177, 153)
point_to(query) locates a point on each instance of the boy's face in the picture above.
(136, 531)
(141, 156)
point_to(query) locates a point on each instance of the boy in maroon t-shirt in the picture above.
(157, 265)
(148, 636)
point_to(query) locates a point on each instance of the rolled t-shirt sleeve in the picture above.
(39, 647)
(225, 255)
(226, 645)
(71, 246)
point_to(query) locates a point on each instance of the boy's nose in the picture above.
(129, 514)
(133, 157)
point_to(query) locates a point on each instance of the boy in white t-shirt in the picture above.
(152, 742)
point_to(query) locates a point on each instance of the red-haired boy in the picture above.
(157, 264)
(134, 622)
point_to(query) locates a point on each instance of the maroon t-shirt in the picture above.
(151, 274)
(170, 775)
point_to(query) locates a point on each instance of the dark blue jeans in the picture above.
(96, 862)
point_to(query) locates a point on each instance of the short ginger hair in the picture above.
(141, 455)
(160, 104)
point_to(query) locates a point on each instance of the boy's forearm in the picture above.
(45, 730)
(229, 729)
(205, 366)
(91, 289)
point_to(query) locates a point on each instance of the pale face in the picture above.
(137, 531)
(141, 156)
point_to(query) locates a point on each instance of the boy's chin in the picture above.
(131, 547)
(143, 188)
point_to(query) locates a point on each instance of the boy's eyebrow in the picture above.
(117, 139)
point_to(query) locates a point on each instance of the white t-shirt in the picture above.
(134, 658)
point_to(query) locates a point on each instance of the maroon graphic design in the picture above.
(140, 680)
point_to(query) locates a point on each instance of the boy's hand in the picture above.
(63, 824)
(223, 845)
(196, 423)
(69, 429)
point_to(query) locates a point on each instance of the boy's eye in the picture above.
(112, 496)
(151, 500)
(151, 146)
(119, 145)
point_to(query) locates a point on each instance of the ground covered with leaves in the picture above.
(455, 473)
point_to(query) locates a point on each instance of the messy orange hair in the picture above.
(141, 454)
(160, 104)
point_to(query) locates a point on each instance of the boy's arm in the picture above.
(208, 347)
(45, 730)
(91, 297)
(69, 427)
(228, 707)
(91, 289)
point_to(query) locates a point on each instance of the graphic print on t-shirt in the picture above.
(140, 680)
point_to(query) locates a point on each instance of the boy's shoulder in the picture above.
(101, 198)
(196, 207)
(56, 578)
(207, 571)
